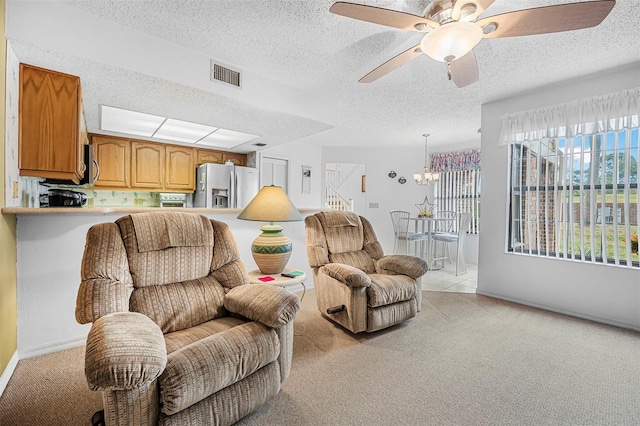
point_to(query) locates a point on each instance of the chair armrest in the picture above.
(350, 275)
(403, 265)
(270, 305)
(124, 350)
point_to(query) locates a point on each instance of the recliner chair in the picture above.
(356, 285)
(179, 336)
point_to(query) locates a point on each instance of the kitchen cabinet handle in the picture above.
(97, 169)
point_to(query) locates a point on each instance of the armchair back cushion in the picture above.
(156, 253)
(343, 237)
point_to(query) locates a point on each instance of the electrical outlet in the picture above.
(374, 205)
(138, 202)
(15, 189)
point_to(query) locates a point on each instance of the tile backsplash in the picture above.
(97, 198)
(102, 198)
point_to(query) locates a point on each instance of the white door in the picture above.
(275, 171)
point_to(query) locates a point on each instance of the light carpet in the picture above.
(466, 359)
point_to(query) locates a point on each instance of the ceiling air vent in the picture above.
(224, 74)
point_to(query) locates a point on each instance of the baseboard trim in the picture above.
(8, 372)
(560, 310)
(52, 347)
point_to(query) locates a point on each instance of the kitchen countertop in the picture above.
(104, 210)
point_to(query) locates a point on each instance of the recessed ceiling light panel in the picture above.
(126, 121)
(183, 131)
(226, 138)
(168, 129)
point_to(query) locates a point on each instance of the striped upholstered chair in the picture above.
(179, 336)
(356, 285)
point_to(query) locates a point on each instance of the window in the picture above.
(574, 195)
(459, 186)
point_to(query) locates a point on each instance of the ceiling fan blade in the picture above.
(548, 19)
(464, 71)
(461, 5)
(392, 64)
(378, 15)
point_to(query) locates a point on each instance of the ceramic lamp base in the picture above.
(271, 250)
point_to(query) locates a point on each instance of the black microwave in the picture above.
(92, 170)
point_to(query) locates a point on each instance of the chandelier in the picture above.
(426, 177)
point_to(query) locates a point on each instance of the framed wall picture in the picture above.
(306, 179)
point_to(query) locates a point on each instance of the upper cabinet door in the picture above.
(113, 156)
(147, 165)
(180, 170)
(235, 158)
(209, 156)
(49, 120)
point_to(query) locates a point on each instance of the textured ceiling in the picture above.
(301, 45)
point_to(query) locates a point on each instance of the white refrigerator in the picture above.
(220, 186)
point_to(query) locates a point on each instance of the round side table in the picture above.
(279, 280)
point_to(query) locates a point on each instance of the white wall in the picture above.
(604, 293)
(387, 192)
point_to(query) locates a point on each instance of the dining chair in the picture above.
(402, 236)
(448, 226)
(458, 238)
(443, 227)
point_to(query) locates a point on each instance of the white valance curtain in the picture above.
(598, 114)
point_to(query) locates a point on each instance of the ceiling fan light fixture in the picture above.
(454, 39)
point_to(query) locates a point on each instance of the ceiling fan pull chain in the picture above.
(449, 70)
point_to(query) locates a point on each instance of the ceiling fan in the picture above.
(452, 29)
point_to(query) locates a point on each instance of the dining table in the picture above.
(428, 225)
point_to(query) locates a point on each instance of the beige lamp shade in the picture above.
(271, 204)
(271, 249)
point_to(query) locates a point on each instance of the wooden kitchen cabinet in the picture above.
(147, 165)
(235, 158)
(113, 156)
(163, 167)
(51, 125)
(180, 168)
(220, 157)
(209, 156)
(132, 164)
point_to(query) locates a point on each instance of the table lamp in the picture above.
(271, 249)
